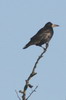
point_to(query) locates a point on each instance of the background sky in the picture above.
(19, 21)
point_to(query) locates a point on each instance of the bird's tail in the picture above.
(27, 45)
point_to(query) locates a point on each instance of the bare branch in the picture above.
(33, 73)
(41, 55)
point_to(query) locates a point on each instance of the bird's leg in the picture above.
(47, 44)
(45, 48)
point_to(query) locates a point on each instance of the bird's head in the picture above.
(49, 24)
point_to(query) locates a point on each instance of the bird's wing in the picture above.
(40, 34)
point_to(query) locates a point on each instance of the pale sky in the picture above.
(19, 21)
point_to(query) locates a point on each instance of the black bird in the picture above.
(43, 36)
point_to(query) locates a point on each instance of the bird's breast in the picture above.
(48, 36)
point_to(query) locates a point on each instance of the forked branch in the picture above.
(33, 73)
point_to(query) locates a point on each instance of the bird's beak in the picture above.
(54, 25)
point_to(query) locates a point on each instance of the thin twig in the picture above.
(32, 92)
(17, 95)
(41, 55)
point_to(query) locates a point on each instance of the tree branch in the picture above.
(33, 73)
